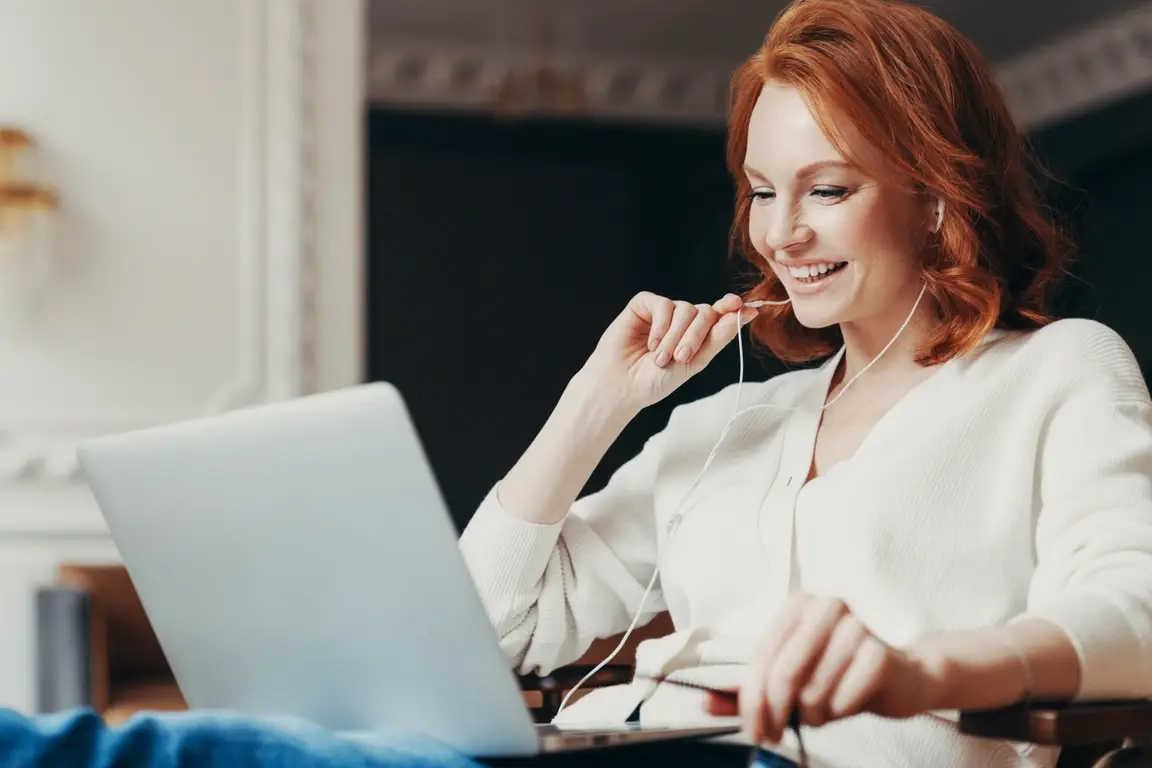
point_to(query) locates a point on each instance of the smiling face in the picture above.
(845, 246)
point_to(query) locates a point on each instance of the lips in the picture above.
(811, 273)
(813, 278)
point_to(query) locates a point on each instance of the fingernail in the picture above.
(681, 354)
(747, 317)
(662, 358)
(652, 344)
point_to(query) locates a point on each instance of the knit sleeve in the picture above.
(1094, 530)
(550, 590)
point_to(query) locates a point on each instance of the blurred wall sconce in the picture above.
(27, 224)
(539, 89)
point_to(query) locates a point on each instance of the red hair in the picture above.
(924, 99)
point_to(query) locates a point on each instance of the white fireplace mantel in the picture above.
(206, 154)
(284, 205)
(275, 257)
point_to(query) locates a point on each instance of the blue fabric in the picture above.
(772, 760)
(199, 739)
(80, 739)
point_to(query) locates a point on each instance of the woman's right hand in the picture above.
(656, 344)
(649, 350)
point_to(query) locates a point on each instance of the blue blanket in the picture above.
(200, 739)
(80, 739)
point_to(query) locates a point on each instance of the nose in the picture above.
(785, 231)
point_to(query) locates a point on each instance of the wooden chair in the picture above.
(1096, 735)
(554, 687)
(1091, 735)
(98, 649)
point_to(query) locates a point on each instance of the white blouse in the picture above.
(1016, 480)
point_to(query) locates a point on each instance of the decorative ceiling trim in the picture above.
(422, 75)
(276, 256)
(1069, 76)
(1083, 71)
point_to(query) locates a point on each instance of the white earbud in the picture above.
(939, 214)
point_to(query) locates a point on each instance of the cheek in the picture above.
(758, 229)
(892, 230)
(866, 234)
(845, 227)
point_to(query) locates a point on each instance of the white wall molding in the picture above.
(277, 255)
(290, 223)
(1074, 74)
(275, 261)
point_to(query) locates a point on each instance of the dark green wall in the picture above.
(1103, 161)
(498, 251)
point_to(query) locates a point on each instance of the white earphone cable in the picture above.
(677, 516)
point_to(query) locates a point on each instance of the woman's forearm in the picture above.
(983, 669)
(546, 480)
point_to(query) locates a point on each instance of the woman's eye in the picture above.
(762, 195)
(830, 193)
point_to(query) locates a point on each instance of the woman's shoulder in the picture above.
(1071, 353)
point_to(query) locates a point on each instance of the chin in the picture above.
(823, 306)
(822, 310)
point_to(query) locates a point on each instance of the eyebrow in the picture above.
(807, 170)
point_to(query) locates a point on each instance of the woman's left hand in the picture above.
(820, 659)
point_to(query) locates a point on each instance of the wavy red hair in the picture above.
(925, 100)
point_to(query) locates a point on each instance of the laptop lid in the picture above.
(298, 559)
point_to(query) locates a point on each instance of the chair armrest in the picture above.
(1063, 723)
(566, 677)
(554, 686)
(63, 649)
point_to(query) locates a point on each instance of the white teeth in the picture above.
(811, 270)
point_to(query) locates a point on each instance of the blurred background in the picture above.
(206, 205)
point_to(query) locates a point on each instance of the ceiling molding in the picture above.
(419, 75)
(1070, 76)
(1081, 72)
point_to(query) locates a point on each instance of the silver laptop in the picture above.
(297, 559)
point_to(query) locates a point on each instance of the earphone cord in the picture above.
(677, 516)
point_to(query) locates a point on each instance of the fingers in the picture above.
(661, 313)
(679, 330)
(815, 698)
(722, 706)
(796, 659)
(730, 303)
(723, 332)
(683, 314)
(753, 705)
(862, 679)
(819, 658)
(697, 332)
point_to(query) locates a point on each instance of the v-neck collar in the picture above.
(799, 446)
(818, 396)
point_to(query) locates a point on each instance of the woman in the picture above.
(966, 524)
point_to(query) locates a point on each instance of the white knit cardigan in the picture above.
(1015, 480)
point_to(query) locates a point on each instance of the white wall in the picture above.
(208, 157)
